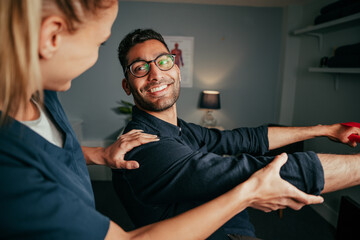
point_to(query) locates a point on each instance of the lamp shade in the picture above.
(210, 100)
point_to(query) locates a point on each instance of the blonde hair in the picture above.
(19, 62)
(75, 10)
(20, 22)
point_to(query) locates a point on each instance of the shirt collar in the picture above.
(162, 127)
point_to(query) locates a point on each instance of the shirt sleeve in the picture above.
(33, 206)
(172, 172)
(231, 142)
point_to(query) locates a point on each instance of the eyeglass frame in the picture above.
(128, 68)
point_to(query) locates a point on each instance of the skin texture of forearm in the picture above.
(264, 190)
(281, 136)
(197, 223)
(93, 155)
(341, 171)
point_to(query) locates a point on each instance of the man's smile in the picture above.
(157, 89)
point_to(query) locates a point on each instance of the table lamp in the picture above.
(209, 100)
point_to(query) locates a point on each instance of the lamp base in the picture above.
(208, 120)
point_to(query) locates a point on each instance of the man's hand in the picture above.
(272, 192)
(340, 133)
(281, 136)
(113, 156)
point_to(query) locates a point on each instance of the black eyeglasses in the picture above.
(141, 68)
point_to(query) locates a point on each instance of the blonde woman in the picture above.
(45, 187)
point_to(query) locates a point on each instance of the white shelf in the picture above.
(331, 25)
(318, 32)
(334, 70)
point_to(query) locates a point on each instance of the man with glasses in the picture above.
(187, 166)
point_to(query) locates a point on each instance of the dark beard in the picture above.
(153, 106)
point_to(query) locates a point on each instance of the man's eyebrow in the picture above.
(163, 53)
(141, 59)
(135, 60)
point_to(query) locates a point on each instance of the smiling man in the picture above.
(187, 166)
(160, 94)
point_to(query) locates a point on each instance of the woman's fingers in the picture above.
(302, 197)
(278, 162)
(272, 192)
(126, 142)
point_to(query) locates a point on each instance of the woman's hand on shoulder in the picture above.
(114, 154)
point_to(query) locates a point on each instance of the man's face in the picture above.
(158, 90)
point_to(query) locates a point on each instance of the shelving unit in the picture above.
(334, 25)
(334, 70)
(318, 30)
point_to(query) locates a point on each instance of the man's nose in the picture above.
(155, 73)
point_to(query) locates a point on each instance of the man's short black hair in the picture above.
(133, 38)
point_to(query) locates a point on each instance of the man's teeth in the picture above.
(158, 88)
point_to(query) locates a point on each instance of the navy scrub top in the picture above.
(45, 190)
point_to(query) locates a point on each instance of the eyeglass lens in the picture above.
(141, 68)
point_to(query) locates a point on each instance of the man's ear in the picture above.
(50, 36)
(126, 86)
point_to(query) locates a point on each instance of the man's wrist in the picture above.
(330, 131)
(322, 130)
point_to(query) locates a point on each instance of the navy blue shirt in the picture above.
(187, 167)
(45, 190)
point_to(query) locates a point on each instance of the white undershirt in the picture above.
(45, 127)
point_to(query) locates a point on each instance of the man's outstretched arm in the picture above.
(281, 136)
(340, 171)
(264, 190)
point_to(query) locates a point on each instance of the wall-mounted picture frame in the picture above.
(183, 48)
